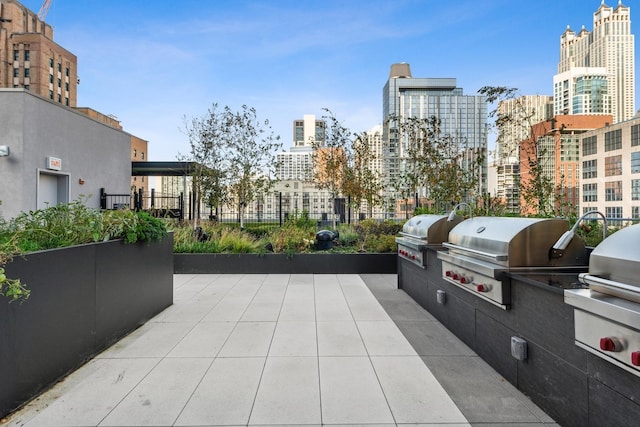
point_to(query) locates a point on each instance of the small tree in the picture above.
(524, 127)
(442, 165)
(330, 159)
(363, 183)
(210, 171)
(234, 156)
(251, 151)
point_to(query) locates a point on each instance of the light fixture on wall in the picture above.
(81, 181)
(4, 150)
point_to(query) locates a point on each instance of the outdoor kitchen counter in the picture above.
(570, 384)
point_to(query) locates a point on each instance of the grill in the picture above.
(607, 314)
(482, 249)
(422, 232)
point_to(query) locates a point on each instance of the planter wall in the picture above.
(320, 263)
(83, 299)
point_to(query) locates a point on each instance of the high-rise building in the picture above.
(30, 59)
(524, 111)
(463, 117)
(553, 152)
(610, 46)
(581, 90)
(297, 163)
(610, 170)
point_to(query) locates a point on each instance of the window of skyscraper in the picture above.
(27, 55)
(613, 140)
(614, 212)
(590, 145)
(635, 135)
(635, 189)
(590, 169)
(16, 55)
(613, 165)
(613, 191)
(590, 192)
(635, 162)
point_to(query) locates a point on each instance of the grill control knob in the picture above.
(635, 358)
(464, 280)
(610, 344)
(456, 276)
(449, 273)
(482, 288)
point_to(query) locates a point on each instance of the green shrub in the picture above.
(380, 244)
(301, 220)
(348, 236)
(221, 238)
(291, 239)
(369, 227)
(68, 225)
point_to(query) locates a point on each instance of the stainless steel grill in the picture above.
(421, 232)
(482, 249)
(607, 314)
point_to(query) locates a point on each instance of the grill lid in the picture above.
(617, 258)
(514, 242)
(429, 228)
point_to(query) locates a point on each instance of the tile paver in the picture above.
(280, 349)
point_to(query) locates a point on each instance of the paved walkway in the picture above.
(285, 350)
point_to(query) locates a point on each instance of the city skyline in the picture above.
(151, 63)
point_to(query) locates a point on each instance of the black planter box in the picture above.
(83, 299)
(321, 263)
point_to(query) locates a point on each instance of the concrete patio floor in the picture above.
(285, 350)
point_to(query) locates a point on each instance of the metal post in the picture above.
(153, 198)
(348, 209)
(181, 205)
(280, 207)
(103, 199)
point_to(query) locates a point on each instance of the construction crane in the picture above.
(44, 9)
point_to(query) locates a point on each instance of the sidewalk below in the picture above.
(285, 350)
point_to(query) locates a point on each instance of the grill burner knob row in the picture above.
(611, 344)
(635, 358)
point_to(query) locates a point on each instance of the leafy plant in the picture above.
(68, 225)
(12, 288)
(380, 243)
(291, 239)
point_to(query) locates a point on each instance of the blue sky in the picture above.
(153, 62)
